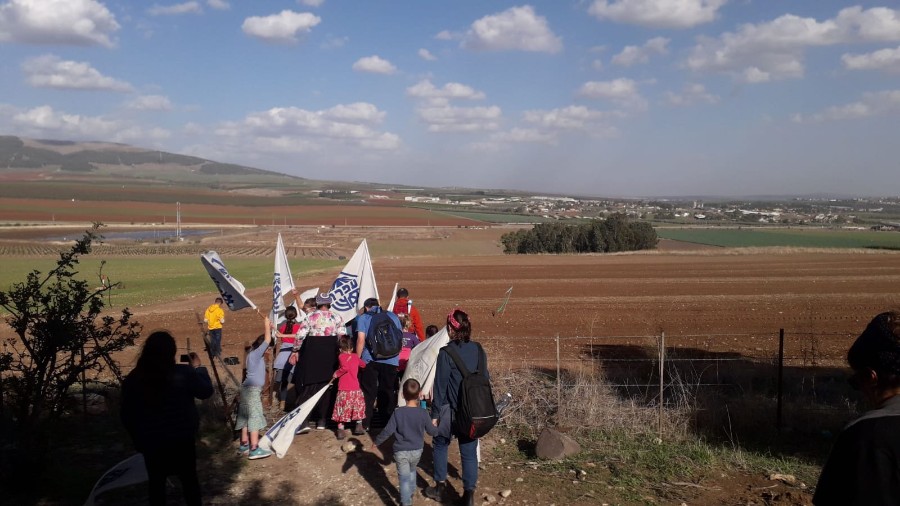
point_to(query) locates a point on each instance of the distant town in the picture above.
(861, 213)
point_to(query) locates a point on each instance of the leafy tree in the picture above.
(59, 335)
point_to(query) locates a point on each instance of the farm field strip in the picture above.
(756, 237)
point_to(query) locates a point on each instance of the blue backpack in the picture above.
(384, 339)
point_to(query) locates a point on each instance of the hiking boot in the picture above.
(468, 498)
(244, 449)
(436, 493)
(341, 434)
(359, 430)
(259, 453)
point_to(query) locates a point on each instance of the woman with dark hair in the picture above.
(159, 413)
(447, 381)
(864, 465)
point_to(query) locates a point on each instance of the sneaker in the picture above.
(436, 493)
(341, 434)
(302, 430)
(259, 453)
(244, 449)
(320, 425)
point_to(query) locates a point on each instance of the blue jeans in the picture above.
(468, 453)
(406, 470)
(215, 342)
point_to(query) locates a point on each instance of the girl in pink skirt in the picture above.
(350, 406)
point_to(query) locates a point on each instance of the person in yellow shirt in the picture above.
(215, 318)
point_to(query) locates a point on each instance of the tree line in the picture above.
(615, 233)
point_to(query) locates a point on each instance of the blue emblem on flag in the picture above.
(345, 292)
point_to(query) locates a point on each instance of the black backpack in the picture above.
(476, 413)
(383, 338)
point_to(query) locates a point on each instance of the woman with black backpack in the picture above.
(460, 359)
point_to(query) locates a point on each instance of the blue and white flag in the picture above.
(231, 289)
(280, 436)
(354, 284)
(130, 471)
(283, 282)
(422, 363)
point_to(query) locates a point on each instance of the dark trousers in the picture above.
(177, 458)
(377, 382)
(320, 411)
(215, 342)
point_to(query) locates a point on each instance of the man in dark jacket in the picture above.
(864, 465)
(159, 413)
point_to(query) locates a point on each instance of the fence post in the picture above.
(83, 385)
(662, 370)
(558, 379)
(779, 405)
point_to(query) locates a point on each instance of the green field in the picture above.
(803, 238)
(151, 280)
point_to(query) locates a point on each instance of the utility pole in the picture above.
(178, 220)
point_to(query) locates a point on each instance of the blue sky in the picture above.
(591, 97)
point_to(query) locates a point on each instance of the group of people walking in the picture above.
(314, 349)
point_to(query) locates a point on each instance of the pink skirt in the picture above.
(349, 406)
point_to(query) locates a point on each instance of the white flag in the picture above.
(280, 436)
(130, 471)
(354, 284)
(422, 364)
(390, 307)
(231, 289)
(283, 282)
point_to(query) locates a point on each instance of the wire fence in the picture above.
(780, 380)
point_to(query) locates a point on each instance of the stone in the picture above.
(554, 445)
(349, 447)
(520, 479)
(789, 479)
(489, 498)
(505, 493)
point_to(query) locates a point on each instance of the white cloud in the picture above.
(333, 42)
(870, 104)
(657, 13)
(49, 71)
(524, 136)
(515, 29)
(597, 64)
(620, 91)
(632, 55)
(448, 118)
(283, 27)
(44, 121)
(887, 60)
(150, 103)
(73, 22)
(426, 55)
(573, 117)
(293, 130)
(436, 111)
(374, 65)
(311, 3)
(221, 5)
(450, 91)
(691, 94)
(175, 9)
(775, 49)
(447, 35)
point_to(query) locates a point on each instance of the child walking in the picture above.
(409, 424)
(250, 419)
(350, 405)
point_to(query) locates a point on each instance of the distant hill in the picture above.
(95, 157)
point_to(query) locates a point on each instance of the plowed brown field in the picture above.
(721, 302)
